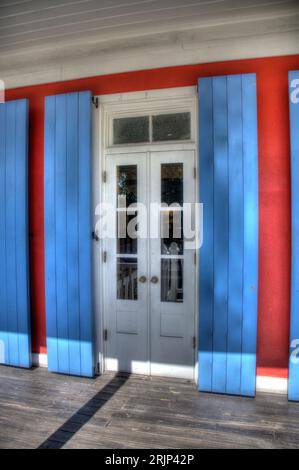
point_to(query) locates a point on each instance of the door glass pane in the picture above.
(127, 232)
(131, 130)
(126, 185)
(172, 280)
(172, 183)
(172, 127)
(172, 242)
(127, 284)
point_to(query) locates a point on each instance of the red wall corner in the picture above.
(36, 223)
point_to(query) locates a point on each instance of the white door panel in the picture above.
(149, 284)
(172, 297)
(126, 298)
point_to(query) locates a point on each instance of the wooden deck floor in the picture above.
(39, 409)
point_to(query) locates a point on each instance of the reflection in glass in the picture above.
(172, 183)
(171, 127)
(131, 130)
(127, 284)
(172, 280)
(127, 224)
(172, 242)
(126, 185)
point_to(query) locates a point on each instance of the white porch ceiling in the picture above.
(49, 40)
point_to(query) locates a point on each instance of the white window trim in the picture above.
(147, 103)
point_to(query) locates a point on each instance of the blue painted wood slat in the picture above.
(294, 330)
(15, 338)
(220, 234)
(60, 201)
(22, 256)
(85, 217)
(206, 281)
(3, 313)
(10, 224)
(68, 227)
(50, 183)
(72, 221)
(235, 235)
(250, 267)
(228, 258)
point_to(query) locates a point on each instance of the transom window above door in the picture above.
(154, 128)
(148, 118)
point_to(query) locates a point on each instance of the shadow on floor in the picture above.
(73, 425)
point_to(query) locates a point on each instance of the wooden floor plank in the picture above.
(39, 409)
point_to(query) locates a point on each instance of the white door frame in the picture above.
(129, 104)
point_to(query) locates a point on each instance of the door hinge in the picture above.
(104, 256)
(95, 236)
(194, 342)
(195, 257)
(98, 368)
(194, 173)
(104, 176)
(105, 334)
(95, 101)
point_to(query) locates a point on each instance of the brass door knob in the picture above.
(142, 279)
(154, 280)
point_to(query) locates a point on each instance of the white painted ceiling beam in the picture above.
(44, 41)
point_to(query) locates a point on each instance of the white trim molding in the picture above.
(271, 385)
(168, 100)
(263, 384)
(40, 360)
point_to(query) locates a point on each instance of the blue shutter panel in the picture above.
(229, 254)
(294, 333)
(15, 341)
(68, 234)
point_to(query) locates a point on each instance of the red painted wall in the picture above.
(274, 187)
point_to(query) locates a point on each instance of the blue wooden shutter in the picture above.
(294, 334)
(228, 278)
(68, 234)
(15, 347)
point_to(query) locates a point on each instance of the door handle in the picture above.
(142, 279)
(154, 280)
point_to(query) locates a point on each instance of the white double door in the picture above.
(149, 273)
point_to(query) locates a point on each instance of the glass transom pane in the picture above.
(171, 127)
(131, 130)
